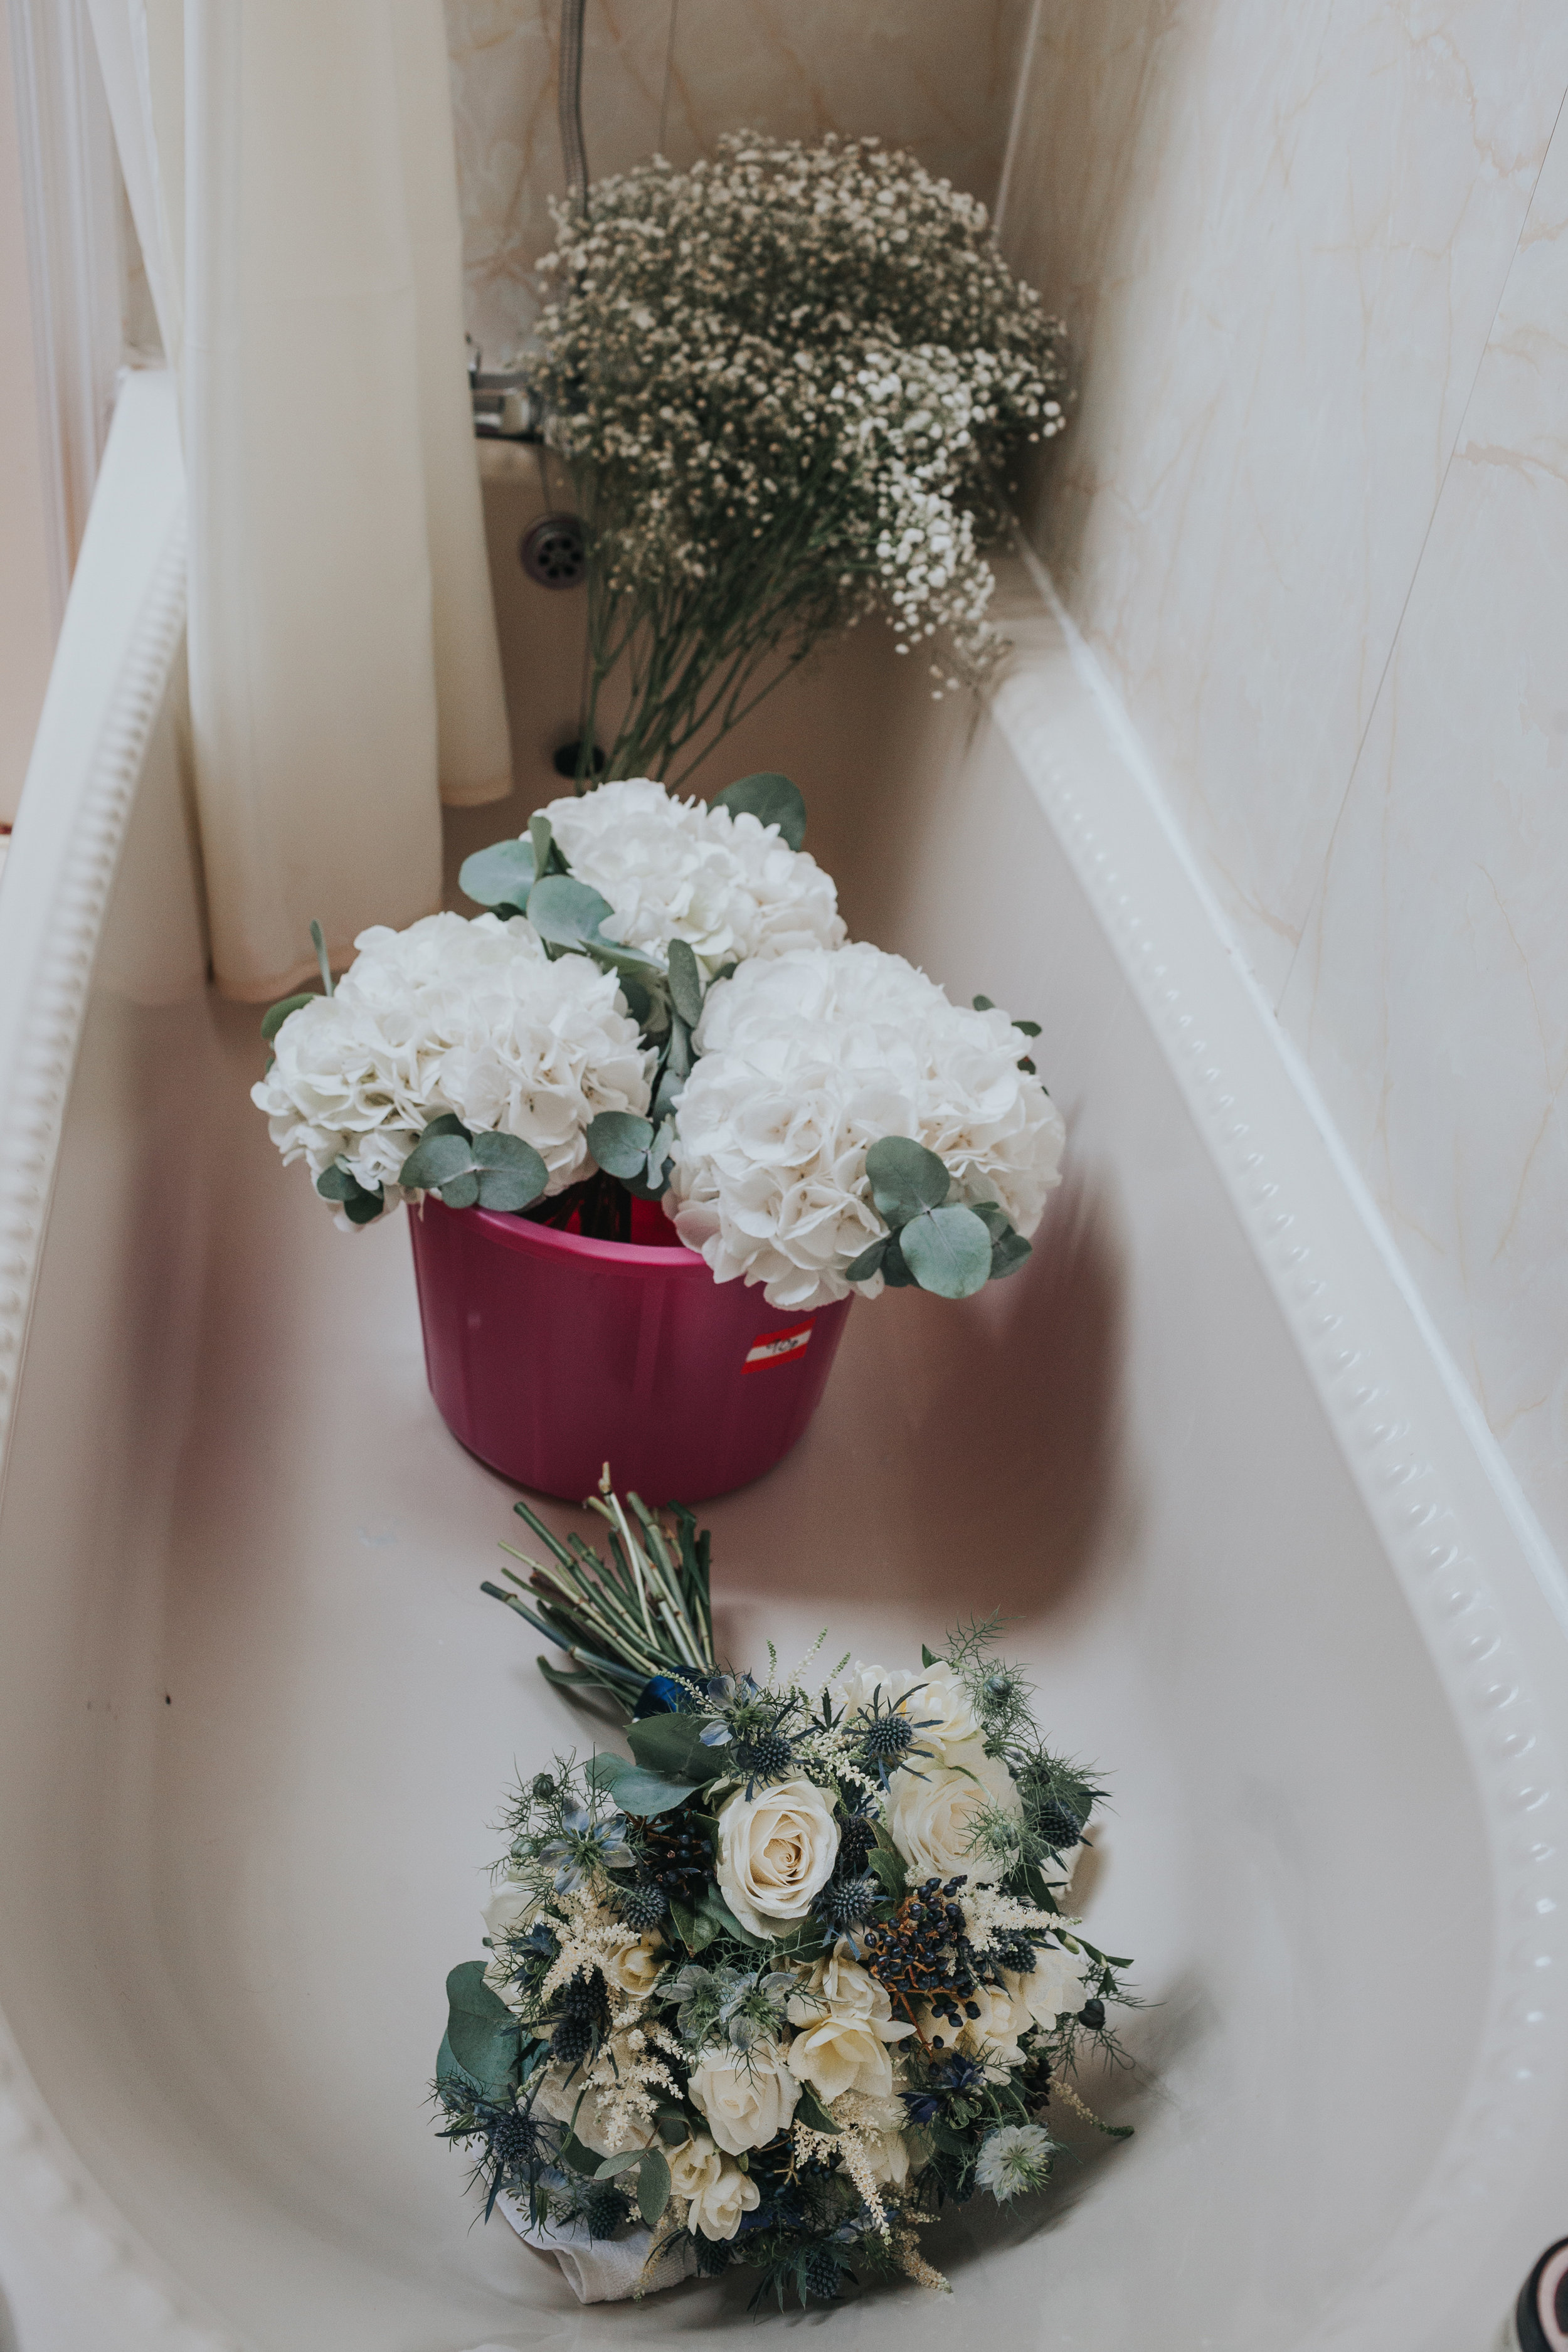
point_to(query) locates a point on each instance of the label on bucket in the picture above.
(775, 1347)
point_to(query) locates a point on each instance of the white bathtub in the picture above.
(255, 1714)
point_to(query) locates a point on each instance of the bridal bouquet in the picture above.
(661, 1003)
(795, 1975)
(790, 384)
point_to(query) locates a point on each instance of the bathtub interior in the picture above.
(257, 1718)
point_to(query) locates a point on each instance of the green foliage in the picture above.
(481, 2031)
(950, 1248)
(772, 800)
(636, 1790)
(484, 1171)
(274, 1018)
(672, 1745)
(499, 878)
(619, 1142)
(339, 1185)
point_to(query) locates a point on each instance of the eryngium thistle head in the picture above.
(884, 1737)
(641, 1907)
(571, 2039)
(712, 2256)
(514, 2141)
(764, 1755)
(604, 2208)
(1014, 2160)
(820, 2275)
(844, 1903)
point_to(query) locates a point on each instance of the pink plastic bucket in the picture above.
(549, 1354)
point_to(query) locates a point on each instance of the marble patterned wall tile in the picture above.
(1280, 235)
(937, 75)
(1431, 990)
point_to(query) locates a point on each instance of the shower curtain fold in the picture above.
(291, 170)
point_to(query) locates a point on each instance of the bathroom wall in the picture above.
(669, 74)
(1313, 518)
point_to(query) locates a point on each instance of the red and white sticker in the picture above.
(776, 1347)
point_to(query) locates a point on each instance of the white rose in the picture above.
(717, 2207)
(890, 2157)
(695, 2167)
(565, 2095)
(745, 2096)
(633, 1966)
(509, 1910)
(934, 1698)
(934, 1819)
(1054, 1984)
(776, 1852)
(846, 2022)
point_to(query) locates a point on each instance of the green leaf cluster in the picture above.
(952, 1248)
(468, 1171)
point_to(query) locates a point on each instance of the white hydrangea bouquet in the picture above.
(798, 1973)
(790, 384)
(659, 1003)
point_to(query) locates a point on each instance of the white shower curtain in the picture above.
(290, 168)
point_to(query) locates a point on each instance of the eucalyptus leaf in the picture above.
(462, 1191)
(905, 1178)
(714, 1907)
(501, 876)
(862, 1269)
(771, 799)
(434, 1160)
(511, 1175)
(568, 913)
(948, 1251)
(684, 982)
(542, 837)
(1007, 1254)
(603, 1769)
(335, 1183)
(611, 2165)
(677, 1053)
(646, 1793)
(619, 1142)
(1029, 1028)
(481, 2031)
(449, 2071)
(672, 1745)
(364, 1208)
(448, 1123)
(274, 1018)
(653, 2186)
(639, 1003)
(810, 2111)
(584, 2161)
(895, 1273)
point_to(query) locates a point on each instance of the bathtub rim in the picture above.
(1485, 1588)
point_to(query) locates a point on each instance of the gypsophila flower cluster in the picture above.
(659, 1004)
(772, 1986)
(790, 383)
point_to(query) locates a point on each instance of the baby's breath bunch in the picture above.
(789, 383)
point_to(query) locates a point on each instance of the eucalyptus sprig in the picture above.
(952, 1248)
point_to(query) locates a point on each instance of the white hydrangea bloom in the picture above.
(451, 1015)
(809, 1059)
(672, 869)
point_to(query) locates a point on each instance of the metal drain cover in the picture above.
(555, 550)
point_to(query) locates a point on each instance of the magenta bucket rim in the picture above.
(673, 1257)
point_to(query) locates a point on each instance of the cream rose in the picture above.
(890, 2157)
(717, 2191)
(745, 2096)
(846, 2022)
(564, 2094)
(634, 1966)
(776, 1852)
(1054, 1983)
(934, 1698)
(934, 1819)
